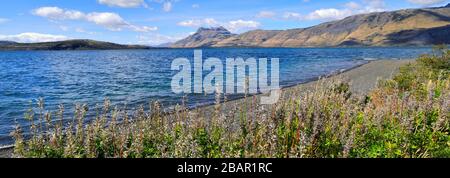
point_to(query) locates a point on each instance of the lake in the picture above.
(135, 77)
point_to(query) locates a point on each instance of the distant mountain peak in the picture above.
(204, 37)
(216, 29)
(448, 5)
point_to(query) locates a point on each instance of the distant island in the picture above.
(67, 45)
(409, 27)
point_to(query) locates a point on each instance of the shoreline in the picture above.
(309, 80)
(362, 78)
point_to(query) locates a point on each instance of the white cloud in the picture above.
(328, 14)
(195, 6)
(241, 25)
(123, 3)
(143, 28)
(109, 20)
(426, 2)
(234, 26)
(350, 8)
(190, 23)
(373, 6)
(352, 5)
(293, 16)
(208, 22)
(57, 13)
(266, 14)
(33, 37)
(157, 39)
(167, 6)
(3, 20)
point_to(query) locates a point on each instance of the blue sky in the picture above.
(152, 22)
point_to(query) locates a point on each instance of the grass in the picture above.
(405, 117)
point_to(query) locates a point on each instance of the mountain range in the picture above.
(425, 26)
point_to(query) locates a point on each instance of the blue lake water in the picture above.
(135, 77)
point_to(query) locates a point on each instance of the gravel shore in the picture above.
(362, 79)
(5, 152)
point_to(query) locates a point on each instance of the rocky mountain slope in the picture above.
(204, 37)
(425, 26)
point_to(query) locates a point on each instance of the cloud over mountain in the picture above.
(234, 26)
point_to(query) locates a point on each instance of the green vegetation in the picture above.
(67, 45)
(406, 117)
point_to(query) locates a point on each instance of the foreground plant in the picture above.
(407, 117)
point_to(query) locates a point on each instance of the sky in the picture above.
(153, 22)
